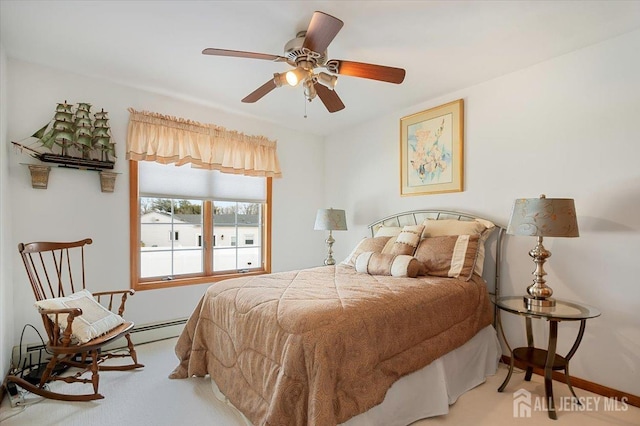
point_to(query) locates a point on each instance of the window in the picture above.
(162, 221)
(233, 219)
(186, 224)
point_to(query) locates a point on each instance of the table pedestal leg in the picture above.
(548, 370)
(572, 351)
(529, 370)
(506, 380)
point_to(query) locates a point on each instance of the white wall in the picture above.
(73, 207)
(6, 288)
(568, 127)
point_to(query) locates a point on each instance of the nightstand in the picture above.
(546, 359)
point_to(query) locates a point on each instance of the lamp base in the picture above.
(533, 303)
(330, 260)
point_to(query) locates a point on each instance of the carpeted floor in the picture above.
(148, 397)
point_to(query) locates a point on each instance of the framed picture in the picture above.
(431, 150)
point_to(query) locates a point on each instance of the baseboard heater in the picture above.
(148, 333)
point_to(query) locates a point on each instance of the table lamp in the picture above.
(542, 217)
(330, 220)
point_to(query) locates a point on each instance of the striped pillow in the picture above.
(449, 256)
(374, 244)
(388, 264)
(406, 242)
(438, 228)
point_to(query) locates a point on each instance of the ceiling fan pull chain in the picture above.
(305, 106)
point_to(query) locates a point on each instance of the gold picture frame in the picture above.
(431, 150)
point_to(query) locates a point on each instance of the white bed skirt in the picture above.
(427, 392)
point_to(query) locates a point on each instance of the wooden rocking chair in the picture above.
(51, 268)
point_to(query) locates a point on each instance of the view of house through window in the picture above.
(233, 222)
(171, 231)
(170, 237)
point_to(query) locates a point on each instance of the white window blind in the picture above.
(156, 180)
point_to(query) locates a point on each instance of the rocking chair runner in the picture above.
(51, 268)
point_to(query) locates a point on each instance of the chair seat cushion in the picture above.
(95, 320)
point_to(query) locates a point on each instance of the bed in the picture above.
(345, 345)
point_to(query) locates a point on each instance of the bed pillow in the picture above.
(95, 320)
(374, 244)
(388, 264)
(388, 231)
(438, 228)
(449, 256)
(481, 250)
(406, 242)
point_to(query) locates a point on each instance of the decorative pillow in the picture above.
(481, 250)
(449, 256)
(95, 320)
(406, 242)
(388, 231)
(374, 244)
(388, 264)
(438, 228)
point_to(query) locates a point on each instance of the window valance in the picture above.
(166, 140)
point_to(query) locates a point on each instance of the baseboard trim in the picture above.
(148, 333)
(577, 382)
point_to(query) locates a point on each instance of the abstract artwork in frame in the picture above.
(431, 150)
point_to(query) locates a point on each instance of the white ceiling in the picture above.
(443, 45)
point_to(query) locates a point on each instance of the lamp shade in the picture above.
(295, 76)
(327, 80)
(330, 220)
(544, 217)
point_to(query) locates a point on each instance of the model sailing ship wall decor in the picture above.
(75, 139)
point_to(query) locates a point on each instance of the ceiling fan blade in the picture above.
(329, 98)
(241, 54)
(322, 29)
(260, 92)
(371, 71)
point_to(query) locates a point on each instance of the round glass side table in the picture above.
(545, 359)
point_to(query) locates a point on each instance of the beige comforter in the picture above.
(319, 346)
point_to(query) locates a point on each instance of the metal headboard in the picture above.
(493, 246)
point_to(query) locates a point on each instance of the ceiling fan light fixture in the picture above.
(280, 79)
(309, 89)
(327, 80)
(296, 76)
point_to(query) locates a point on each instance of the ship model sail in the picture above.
(73, 139)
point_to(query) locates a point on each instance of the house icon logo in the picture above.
(522, 403)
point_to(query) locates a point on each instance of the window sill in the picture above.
(179, 282)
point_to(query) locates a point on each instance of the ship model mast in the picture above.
(73, 139)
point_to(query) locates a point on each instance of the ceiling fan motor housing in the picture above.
(295, 53)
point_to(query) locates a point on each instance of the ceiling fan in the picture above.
(307, 52)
